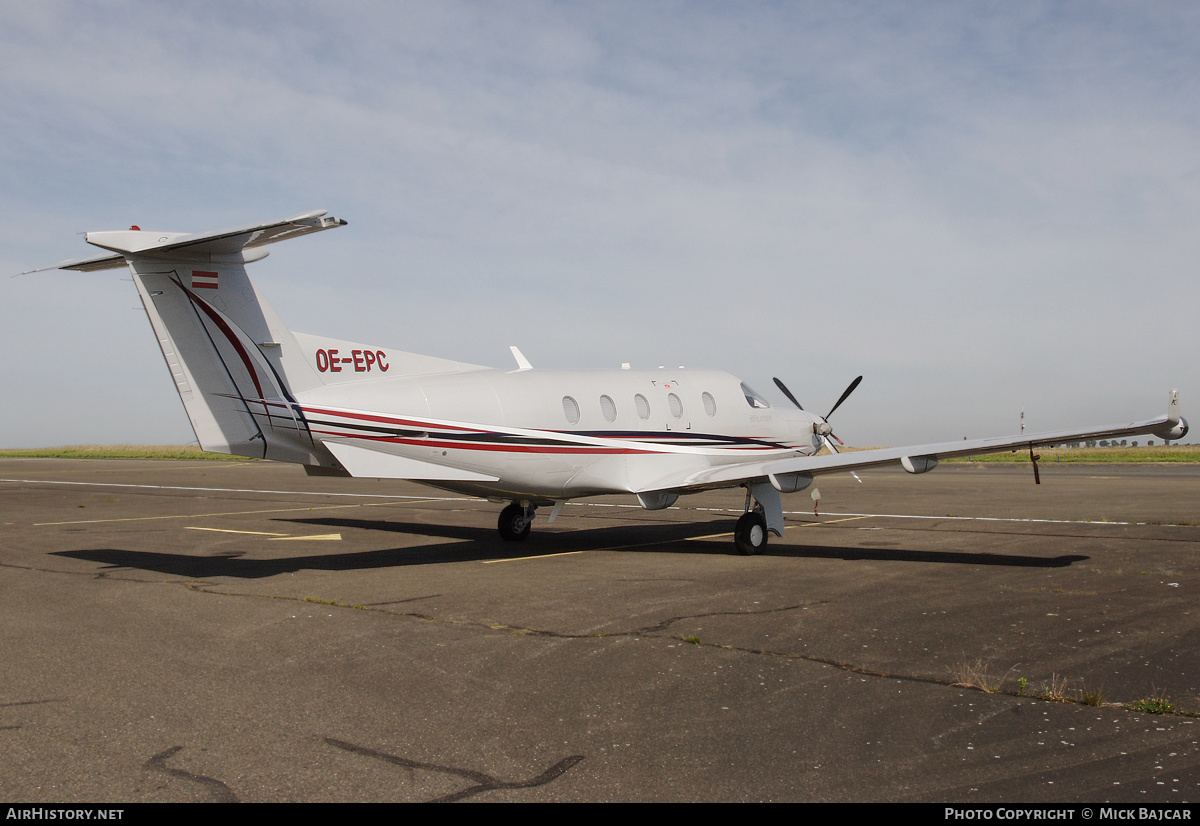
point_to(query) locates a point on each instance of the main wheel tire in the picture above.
(750, 535)
(514, 525)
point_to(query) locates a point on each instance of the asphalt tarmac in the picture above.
(196, 631)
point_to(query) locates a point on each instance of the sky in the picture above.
(983, 208)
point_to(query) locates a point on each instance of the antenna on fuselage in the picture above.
(522, 362)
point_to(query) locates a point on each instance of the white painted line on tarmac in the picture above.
(986, 519)
(242, 490)
(210, 515)
(414, 498)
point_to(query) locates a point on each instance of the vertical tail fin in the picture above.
(236, 366)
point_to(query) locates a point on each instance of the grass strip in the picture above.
(119, 452)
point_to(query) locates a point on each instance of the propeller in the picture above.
(822, 428)
(847, 392)
(788, 393)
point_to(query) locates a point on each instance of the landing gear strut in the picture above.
(515, 521)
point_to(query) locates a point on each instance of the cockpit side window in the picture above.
(753, 398)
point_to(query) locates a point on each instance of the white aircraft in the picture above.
(530, 437)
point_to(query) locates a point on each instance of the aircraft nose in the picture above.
(798, 425)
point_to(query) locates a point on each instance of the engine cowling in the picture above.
(789, 482)
(918, 464)
(1177, 432)
(656, 500)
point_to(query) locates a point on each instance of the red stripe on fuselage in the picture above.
(584, 450)
(375, 417)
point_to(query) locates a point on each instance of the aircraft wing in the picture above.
(379, 464)
(918, 458)
(198, 246)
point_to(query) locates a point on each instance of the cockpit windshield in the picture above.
(753, 398)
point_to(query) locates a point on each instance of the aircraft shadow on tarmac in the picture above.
(478, 544)
(468, 544)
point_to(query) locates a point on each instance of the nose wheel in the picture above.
(515, 522)
(750, 534)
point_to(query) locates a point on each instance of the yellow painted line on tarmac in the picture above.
(273, 536)
(230, 530)
(831, 521)
(710, 536)
(335, 537)
(523, 558)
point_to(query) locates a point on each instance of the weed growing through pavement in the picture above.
(1158, 704)
(1055, 690)
(975, 675)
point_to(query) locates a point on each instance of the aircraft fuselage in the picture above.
(548, 434)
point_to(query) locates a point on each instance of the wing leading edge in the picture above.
(919, 458)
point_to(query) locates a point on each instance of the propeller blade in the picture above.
(849, 390)
(788, 393)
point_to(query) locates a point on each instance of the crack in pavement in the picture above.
(219, 791)
(483, 782)
(650, 631)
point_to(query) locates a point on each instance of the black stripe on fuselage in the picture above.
(669, 438)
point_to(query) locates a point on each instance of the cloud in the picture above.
(978, 208)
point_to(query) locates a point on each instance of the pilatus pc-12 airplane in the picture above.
(528, 437)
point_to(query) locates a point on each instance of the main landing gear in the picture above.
(515, 521)
(750, 535)
(763, 516)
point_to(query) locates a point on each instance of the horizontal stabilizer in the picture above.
(376, 464)
(221, 246)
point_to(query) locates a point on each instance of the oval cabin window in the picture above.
(643, 406)
(571, 409)
(710, 404)
(676, 405)
(608, 408)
